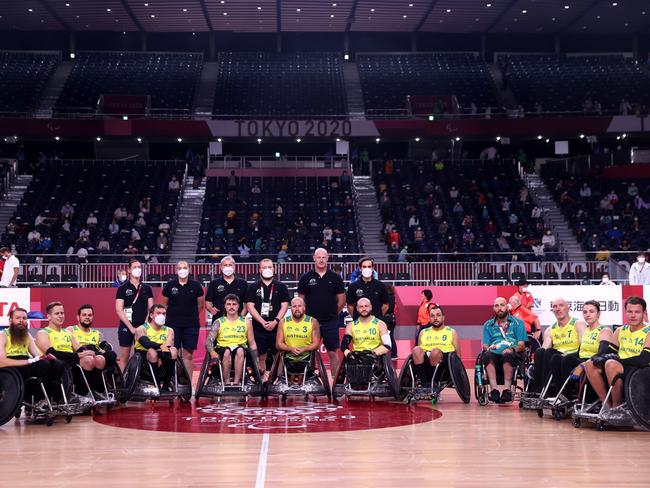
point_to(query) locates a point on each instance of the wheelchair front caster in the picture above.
(68, 419)
(576, 423)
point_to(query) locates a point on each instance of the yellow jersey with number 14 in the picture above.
(631, 344)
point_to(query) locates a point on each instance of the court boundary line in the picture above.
(261, 465)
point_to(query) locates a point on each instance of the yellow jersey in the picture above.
(157, 336)
(298, 334)
(90, 338)
(366, 336)
(232, 334)
(61, 340)
(13, 350)
(565, 339)
(630, 343)
(431, 338)
(590, 342)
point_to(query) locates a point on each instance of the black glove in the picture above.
(601, 360)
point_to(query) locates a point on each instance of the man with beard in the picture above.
(367, 333)
(504, 339)
(93, 340)
(60, 343)
(561, 339)
(18, 350)
(298, 335)
(435, 343)
(228, 337)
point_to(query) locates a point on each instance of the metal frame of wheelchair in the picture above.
(382, 386)
(631, 413)
(212, 387)
(136, 388)
(451, 375)
(482, 384)
(314, 381)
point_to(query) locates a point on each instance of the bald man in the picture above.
(324, 295)
(504, 339)
(184, 300)
(561, 339)
(367, 333)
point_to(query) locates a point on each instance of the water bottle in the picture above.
(479, 376)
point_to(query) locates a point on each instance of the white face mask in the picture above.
(122, 278)
(160, 320)
(228, 270)
(640, 260)
(267, 273)
(524, 289)
(605, 279)
(366, 272)
(183, 273)
(136, 272)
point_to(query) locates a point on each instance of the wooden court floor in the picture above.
(450, 445)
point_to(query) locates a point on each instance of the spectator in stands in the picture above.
(345, 179)
(523, 195)
(44, 245)
(283, 255)
(538, 108)
(639, 271)
(585, 190)
(232, 180)
(489, 153)
(34, 236)
(513, 219)
(82, 255)
(174, 185)
(490, 228)
(603, 253)
(103, 246)
(414, 221)
(458, 210)
(91, 221)
(624, 107)
(536, 213)
(505, 205)
(468, 237)
(613, 197)
(418, 235)
(67, 210)
(164, 226)
(605, 204)
(502, 243)
(614, 233)
(244, 250)
(549, 240)
(450, 246)
(10, 228)
(453, 193)
(604, 280)
(403, 256)
(11, 268)
(443, 228)
(598, 108)
(327, 233)
(394, 238)
(140, 223)
(437, 213)
(84, 233)
(632, 190)
(256, 190)
(39, 220)
(113, 228)
(162, 242)
(120, 213)
(639, 203)
(130, 250)
(538, 250)
(145, 205)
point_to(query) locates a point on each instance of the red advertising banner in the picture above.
(124, 104)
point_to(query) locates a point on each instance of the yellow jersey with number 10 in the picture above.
(366, 336)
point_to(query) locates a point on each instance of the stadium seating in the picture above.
(281, 85)
(170, 79)
(99, 187)
(563, 83)
(308, 205)
(387, 79)
(415, 188)
(22, 79)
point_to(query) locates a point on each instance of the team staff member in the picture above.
(324, 296)
(132, 302)
(220, 288)
(267, 300)
(184, 300)
(367, 287)
(530, 320)
(526, 299)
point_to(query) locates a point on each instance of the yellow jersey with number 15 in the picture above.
(157, 336)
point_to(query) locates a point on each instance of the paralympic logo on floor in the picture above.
(299, 416)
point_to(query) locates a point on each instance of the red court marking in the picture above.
(258, 417)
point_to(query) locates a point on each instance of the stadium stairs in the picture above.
(353, 92)
(53, 89)
(369, 218)
(554, 218)
(189, 222)
(12, 199)
(205, 93)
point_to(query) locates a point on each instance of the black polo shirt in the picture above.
(183, 306)
(275, 293)
(128, 292)
(374, 290)
(219, 288)
(320, 294)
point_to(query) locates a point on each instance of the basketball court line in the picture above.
(261, 465)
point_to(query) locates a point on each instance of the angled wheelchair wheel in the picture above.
(322, 373)
(11, 394)
(257, 377)
(479, 390)
(203, 374)
(406, 381)
(184, 381)
(637, 394)
(390, 374)
(131, 377)
(459, 377)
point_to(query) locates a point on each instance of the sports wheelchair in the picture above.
(298, 378)
(212, 384)
(519, 379)
(450, 373)
(365, 374)
(143, 382)
(633, 412)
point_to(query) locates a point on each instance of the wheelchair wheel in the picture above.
(322, 374)
(115, 381)
(131, 377)
(203, 374)
(11, 394)
(480, 392)
(406, 381)
(637, 394)
(390, 374)
(459, 377)
(257, 377)
(184, 381)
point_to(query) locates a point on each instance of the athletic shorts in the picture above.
(186, 337)
(329, 332)
(221, 350)
(513, 358)
(124, 336)
(265, 340)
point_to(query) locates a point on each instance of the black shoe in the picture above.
(506, 396)
(494, 396)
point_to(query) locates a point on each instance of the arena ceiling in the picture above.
(458, 16)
